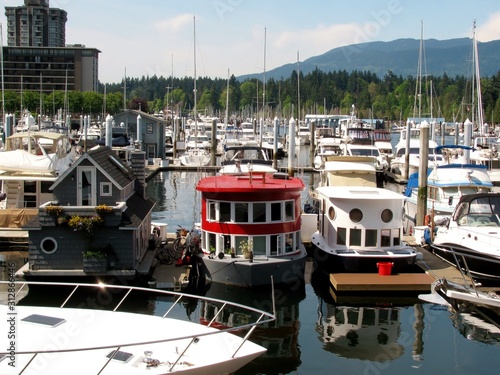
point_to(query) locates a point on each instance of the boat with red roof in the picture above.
(251, 229)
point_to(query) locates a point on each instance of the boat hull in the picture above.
(336, 263)
(481, 266)
(241, 272)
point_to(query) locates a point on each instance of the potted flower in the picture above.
(95, 259)
(62, 220)
(246, 248)
(103, 209)
(85, 224)
(52, 209)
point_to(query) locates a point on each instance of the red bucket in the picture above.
(385, 268)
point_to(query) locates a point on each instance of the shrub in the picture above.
(103, 209)
(85, 224)
(53, 210)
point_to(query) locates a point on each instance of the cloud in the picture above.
(174, 24)
(490, 30)
(313, 42)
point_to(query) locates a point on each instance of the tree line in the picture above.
(392, 97)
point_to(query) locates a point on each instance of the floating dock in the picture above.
(360, 286)
(370, 282)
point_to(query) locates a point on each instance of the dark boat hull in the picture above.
(241, 272)
(481, 267)
(365, 264)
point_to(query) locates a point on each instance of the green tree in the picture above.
(114, 103)
(92, 102)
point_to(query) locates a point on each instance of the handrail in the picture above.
(263, 316)
(463, 257)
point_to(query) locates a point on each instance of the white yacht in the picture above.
(76, 336)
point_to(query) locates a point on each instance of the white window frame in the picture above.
(103, 185)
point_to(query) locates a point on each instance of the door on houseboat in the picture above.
(86, 195)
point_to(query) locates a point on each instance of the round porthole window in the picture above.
(331, 213)
(355, 215)
(48, 245)
(386, 215)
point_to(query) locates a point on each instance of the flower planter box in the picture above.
(93, 265)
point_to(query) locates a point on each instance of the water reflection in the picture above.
(476, 327)
(280, 337)
(366, 333)
(368, 328)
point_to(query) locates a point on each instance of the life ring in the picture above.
(427, 219)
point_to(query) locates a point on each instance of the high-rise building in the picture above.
(37, 57)
(36, 25)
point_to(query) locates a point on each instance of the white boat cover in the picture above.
(20, 160)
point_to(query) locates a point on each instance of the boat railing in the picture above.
(260, 317)
(464, 270)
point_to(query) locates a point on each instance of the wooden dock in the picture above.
(360, 285)
(373, 282)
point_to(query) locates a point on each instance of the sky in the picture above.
(237, 37)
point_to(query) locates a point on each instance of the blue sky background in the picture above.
(151, 37)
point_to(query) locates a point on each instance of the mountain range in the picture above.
(453, 57)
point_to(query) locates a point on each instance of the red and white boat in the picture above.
(250, 229)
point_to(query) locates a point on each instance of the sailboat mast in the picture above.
(480, 115)
(41, 111)
(264, 79)
(298, 88)
(194, 90)
(419, 73)
(226, 119)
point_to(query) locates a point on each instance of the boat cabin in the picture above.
(100, 208)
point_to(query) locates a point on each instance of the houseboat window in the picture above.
(396, 237)
(30, 186)
(385, 237)
(341, 236)
(212, 211)
(289, 210)
(227, 243)
(48, 245)
(275, 245)
(371, 237)
(44, 186)
(238, 240)
(259, 212)
(224, 211)
(276, 211)
(386, 215)
(331, 213)
(356, 215)
(355, 237)
(259, 245)
(241, 212)
(105, 188)
(212, 244)
(288, 242)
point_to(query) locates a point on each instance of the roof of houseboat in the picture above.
(358, 192)
(250, 183)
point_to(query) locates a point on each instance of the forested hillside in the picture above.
(391, 97)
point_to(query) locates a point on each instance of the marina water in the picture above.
(316, 333)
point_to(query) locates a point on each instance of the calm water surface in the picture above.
(317, 333)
